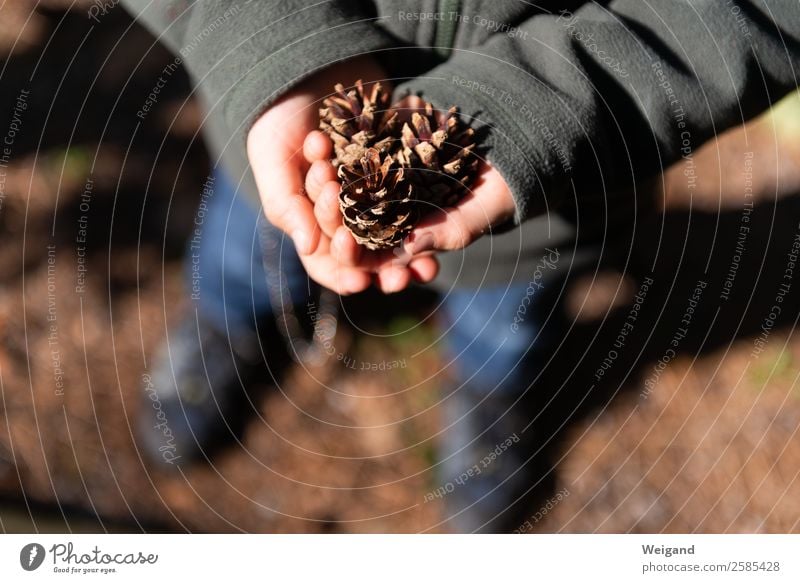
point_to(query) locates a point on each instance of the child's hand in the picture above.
(281, 165)
(488, 204)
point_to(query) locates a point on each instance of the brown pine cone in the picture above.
(440, 150)
(390, 175)
(356, 120)
(377, 200)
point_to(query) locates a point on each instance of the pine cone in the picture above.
(391, 175)
(440, 150)
(356, 120)
(377, 200)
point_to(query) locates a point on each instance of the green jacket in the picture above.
(580, 106)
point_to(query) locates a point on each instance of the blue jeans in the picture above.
(491, 330)
(224, 268)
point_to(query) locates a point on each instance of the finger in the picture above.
(490, 203)
(456, 227)
(347, 251)
(324, 269)
(317, 146)
(320, 173)
(286, 207)
(393, 279)
(424, 269)
(326, 211)
(444, 231)
(293, 214)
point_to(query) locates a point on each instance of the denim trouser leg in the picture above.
(225, 271)
(492, 336)
(494, 349)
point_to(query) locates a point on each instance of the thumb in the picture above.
(489, 204)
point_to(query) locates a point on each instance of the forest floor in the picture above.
(707, 442)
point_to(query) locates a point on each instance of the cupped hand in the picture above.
(290, 164)
(487, 204)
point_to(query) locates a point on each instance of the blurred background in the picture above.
(706, 441)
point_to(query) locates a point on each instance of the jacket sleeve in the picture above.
(244, 54)
(578, 105)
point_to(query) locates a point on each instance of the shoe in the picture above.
(196, 395)
(487, 472)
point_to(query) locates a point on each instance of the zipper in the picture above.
(446, 28)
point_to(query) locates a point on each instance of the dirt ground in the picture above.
(705, 441)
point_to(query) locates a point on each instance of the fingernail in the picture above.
(301, 241)
(422, 243)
